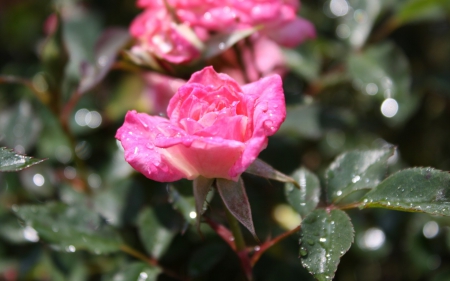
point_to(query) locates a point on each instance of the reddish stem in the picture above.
(264, 247)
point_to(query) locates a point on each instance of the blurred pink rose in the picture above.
(276, 19)
(158, 34)
(216, 128)
(261, 58)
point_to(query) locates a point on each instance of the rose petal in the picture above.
(267, 98)
(292, 32)
(137, 136)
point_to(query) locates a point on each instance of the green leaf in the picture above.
(154, 235)
(413, 190)
(20, 125)
(185, 205)
(70, 228)
(222, 42)
(305, 198)
(358, 22)
(416, 10)
(356, 170)
(262, 169)
(107, 47)
(310, 126)
(205, 258)
(325, 237)
(137, 271)
(235, 199)
(13, 162)
(305, 60)
(201, 186)
(382, 72)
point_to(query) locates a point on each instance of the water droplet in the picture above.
(310, 242)
(356, 179)
(303, 252)
(322, 239)
(257, 248)
(142, 276)
(339, 193)
(222, 45)
(71, 249)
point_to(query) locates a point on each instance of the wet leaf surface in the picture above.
(305, 198)
(413, 190)
(325, 237)
(356, 170)
(13, 162)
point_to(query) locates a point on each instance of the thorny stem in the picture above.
(270, 243)
(151, 261)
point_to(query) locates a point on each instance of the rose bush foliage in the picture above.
(216, 128)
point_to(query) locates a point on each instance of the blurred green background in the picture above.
(377, 74)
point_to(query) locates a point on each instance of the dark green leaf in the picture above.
(205, 258)
(70, 228)
(356, 170)
(235, 199)
(13, 162)
(137, 271)
(414, 190)
(325, 237)
(155, 236)
(262, 169)
(305, 60)
(305, 198)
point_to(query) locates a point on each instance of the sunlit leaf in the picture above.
(305, 198)
(222, 41)
(356, 20)
(137, 271)
(154, 235)
(356, 170)
(235, 198)
(325, 237)
(13, 162)
(205, 258)
(69, 228)
(413, 190)
(416, 10)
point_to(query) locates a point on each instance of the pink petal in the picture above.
(292, 33)
(267, 98)
(137, 136)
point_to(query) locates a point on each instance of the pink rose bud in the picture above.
(216, 128)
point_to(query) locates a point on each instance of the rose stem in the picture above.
(150, 260)
(240, 244)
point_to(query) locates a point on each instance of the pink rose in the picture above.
(216, 128)
(158, 34)
(175, 30)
